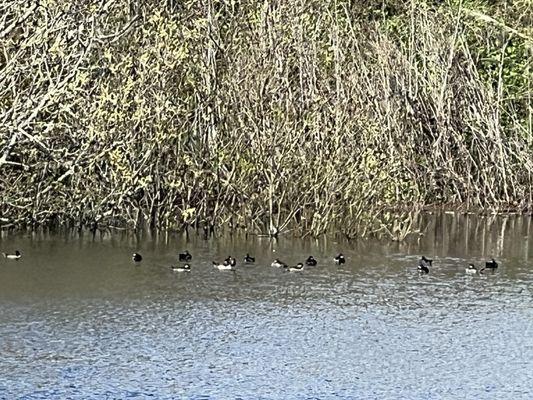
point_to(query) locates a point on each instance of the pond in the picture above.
(80, 320)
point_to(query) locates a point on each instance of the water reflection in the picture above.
(78, 319)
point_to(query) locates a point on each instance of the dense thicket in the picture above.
(309, 115)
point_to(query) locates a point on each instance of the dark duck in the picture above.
(185, 256)
(423, 265)
(339, 259)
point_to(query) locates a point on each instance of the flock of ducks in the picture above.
(425, 263)
(230, 263)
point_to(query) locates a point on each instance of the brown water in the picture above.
(79, 320)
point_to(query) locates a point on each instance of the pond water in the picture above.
(80, 320)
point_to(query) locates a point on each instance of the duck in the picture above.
(423, 266)
(181, 268)
(231, 261)
(15, 256)
(472, 269)
(225, 266)
(339, 259)
(311, 261)
(427, 261)
(278, 264)
(185, 256)
(297, 268)
(492, 264)
(136, 257)
(248, 259)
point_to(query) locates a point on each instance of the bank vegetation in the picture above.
(306, 116)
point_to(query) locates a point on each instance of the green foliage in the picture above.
(500, 38)
(316, 116)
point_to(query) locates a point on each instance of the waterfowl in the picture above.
(181, 268)
(339, 259)
(472, 269)
(310, 261)
(137, 257)
(423, 265)
(15, 256)
(249, 259)
(297, 268)
(423, 269)
(225, 266)
(230, 261)
(427, 261)
(185, 256)
(492, 264)
(278, 264)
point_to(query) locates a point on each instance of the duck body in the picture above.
(278, 264)
(311, 261)
(472, 269)
(339, 259)
(185, 256)
(429, 262)
(248, 259)
(181, 268)
(229, 264)
(225, 266)
(231, 261)
(492, 264)
(14, 256)
(423, 269)
(297, 268)
(423, 265)
(136, 257)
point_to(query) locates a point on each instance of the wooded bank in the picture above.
(314, 116)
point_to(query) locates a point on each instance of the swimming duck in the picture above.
(297, 268)
(278, 264)
(339, 259)
(15, 256)
(225, 266)
(136, 257)
(249, 259)
(427, 261)
(185, 256)
(310, 261)
(472, 269)
(492, 264)
(181, 268)
(423, 266)
(231, 261)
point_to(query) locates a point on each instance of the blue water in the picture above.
(78, 320)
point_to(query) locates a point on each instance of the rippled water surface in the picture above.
(79, 320)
